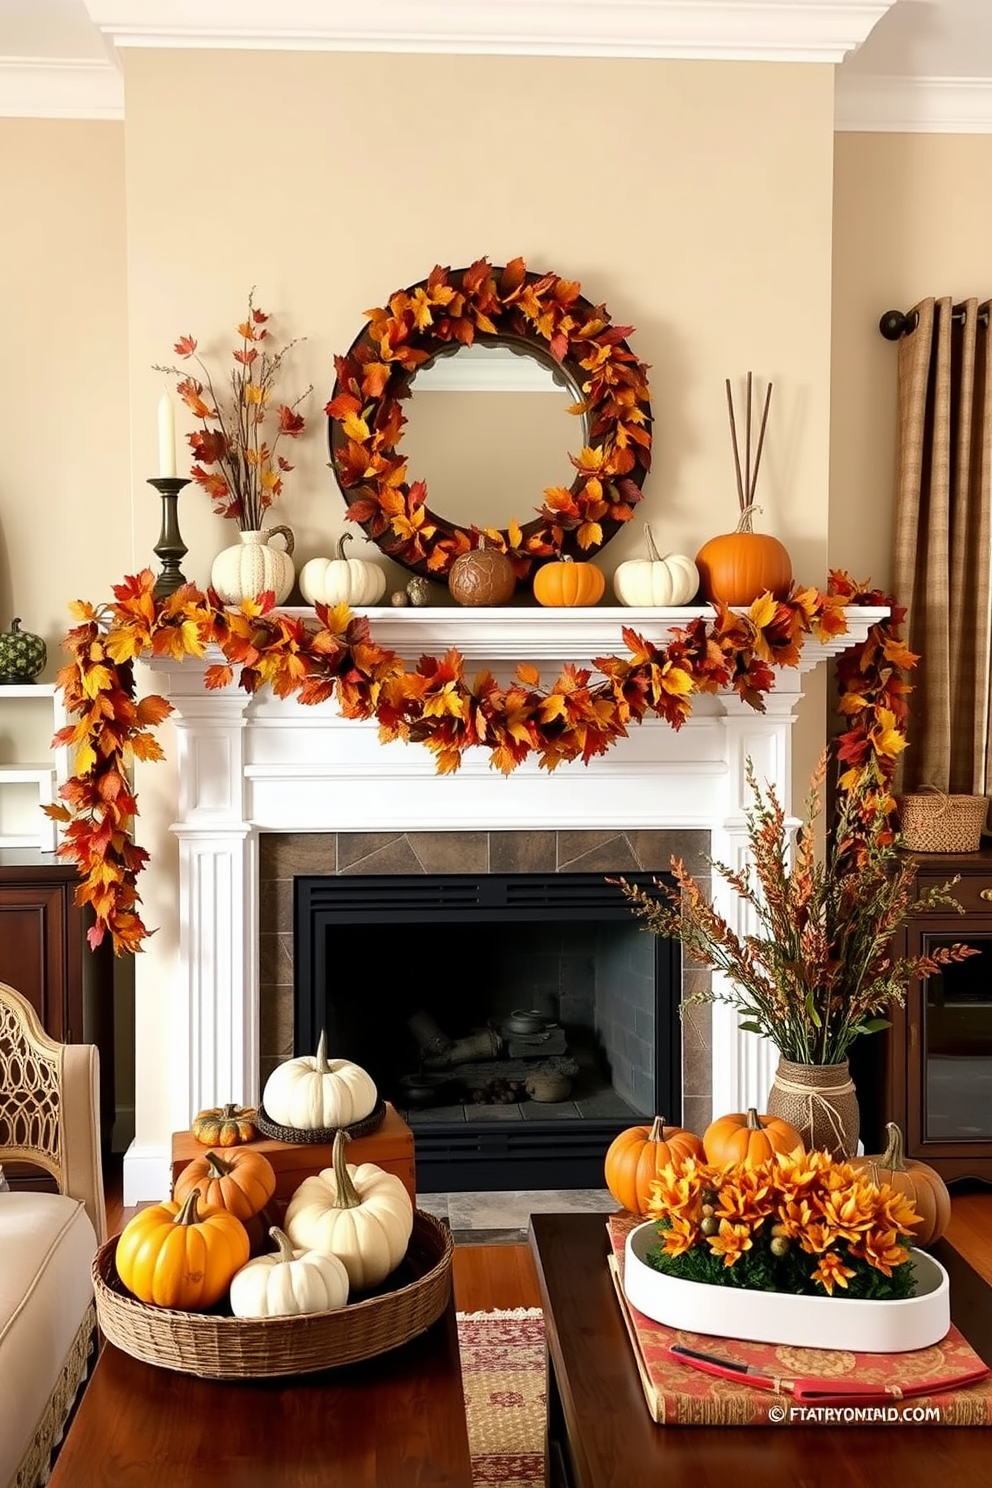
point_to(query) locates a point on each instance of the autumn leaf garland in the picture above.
(435, 704)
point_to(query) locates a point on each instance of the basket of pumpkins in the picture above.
(207, 1284)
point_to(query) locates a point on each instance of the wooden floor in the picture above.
(488, 1277)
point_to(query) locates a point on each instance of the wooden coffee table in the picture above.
(601, 1435)
(396, 1421)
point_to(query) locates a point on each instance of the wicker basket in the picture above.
(320, 1136)
(222, 1347)
(933, 822)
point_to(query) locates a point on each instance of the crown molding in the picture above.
(55, 88)
(726, 30)
(899, 105)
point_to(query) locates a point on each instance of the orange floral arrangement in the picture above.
(798, 1222)
(435, 703)
(235, 464)
(450, 309)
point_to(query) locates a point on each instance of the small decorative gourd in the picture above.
(313, 1092)
(654, 581)
(636, 1156)
(483, 576)
(22, 655)
(567, 584)
(363, 1215)
(749, 1138)
(225, 1126)
(289, 1282)
(341, 580)
(917, 1180)
(242, 1183)
(170, 1256)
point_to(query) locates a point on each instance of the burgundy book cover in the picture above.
(929, 1380)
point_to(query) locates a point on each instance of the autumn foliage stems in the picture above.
(335, 656)
(819, 969)
(235, 462)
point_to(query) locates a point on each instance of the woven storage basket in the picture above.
(933, 822)
(221, 1347)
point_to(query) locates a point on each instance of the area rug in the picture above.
(503, 1373)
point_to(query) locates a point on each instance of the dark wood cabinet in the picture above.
(45, 956)
(937, 1077)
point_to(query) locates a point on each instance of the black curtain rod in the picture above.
(896, 323)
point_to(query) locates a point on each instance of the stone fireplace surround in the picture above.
(252, 766)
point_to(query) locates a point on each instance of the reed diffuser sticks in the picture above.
(747, 476)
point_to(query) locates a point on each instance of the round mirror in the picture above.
(389, 480)
(487, 426)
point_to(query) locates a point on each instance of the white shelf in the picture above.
(27, 690)
(45, 777)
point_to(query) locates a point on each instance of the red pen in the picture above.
(815, 1391)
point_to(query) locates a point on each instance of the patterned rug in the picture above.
(503, 1373)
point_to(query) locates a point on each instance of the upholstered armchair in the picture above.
(49, 1116)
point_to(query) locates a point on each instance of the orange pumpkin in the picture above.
(171, 1257)
(737, 567)
(748, 1138)
(917, 1180)
(568, 584)
(243, 1182)
(636, 1157)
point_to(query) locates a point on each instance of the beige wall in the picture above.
(694, 199)
(65, 501)
(65, 510)
(912, 217)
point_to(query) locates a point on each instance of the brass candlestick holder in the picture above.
(170, 546)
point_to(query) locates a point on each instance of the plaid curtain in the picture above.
(942, 541)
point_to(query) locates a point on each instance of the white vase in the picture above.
(251, 566)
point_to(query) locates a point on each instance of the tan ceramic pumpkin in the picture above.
(917, 1180)
(482, 577)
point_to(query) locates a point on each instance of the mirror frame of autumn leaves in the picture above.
(539, 314)
(335, 655)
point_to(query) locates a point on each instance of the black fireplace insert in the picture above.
(518, 1021)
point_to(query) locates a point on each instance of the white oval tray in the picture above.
(869, 1327)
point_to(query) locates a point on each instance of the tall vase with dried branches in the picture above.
(736, 567)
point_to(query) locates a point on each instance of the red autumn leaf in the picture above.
(185, 346)
(290, 422)
(208, 445)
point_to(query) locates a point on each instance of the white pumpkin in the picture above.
(363, 1215)
(341, 580)
(312, 1092)
(654, 581)
(288, 1282)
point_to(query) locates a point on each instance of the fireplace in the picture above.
(253, 770)
(518, 1021)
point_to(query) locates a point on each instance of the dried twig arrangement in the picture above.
(747, 479)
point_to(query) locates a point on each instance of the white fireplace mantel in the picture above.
(253, 764)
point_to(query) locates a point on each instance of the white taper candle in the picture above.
(166, 436)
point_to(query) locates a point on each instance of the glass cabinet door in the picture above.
(957, 1044)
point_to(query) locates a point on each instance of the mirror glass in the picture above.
(488, 429)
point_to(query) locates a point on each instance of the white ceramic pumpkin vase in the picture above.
(252, 565)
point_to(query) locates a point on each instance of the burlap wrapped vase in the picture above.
(820, 1101)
